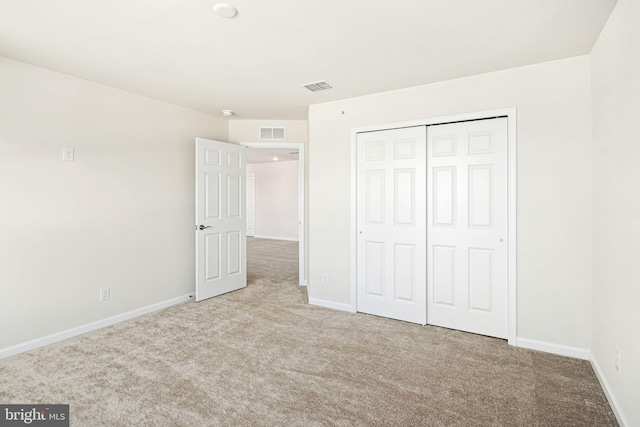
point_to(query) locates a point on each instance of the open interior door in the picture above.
(220, 218)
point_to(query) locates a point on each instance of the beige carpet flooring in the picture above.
(263, 357)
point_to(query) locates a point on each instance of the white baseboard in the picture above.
(83, 329)
(617, 410)
(331, 304)
(288, 239)
(561, 350)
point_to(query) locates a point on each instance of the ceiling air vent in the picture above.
(273, 133)
(318, 86)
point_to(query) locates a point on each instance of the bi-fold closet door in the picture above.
(432, 225)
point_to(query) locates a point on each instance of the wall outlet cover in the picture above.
(67, 154)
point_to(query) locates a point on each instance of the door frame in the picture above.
(302, 278)
(511, 115)
(254, 202)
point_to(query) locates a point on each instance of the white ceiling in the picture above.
(180, 51)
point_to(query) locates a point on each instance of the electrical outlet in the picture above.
(105, 293)
(67, 154)
(325, 278)
(616, 362)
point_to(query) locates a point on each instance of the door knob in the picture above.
(202, 227)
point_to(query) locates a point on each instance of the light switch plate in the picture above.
(67, 154)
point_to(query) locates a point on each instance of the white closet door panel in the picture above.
(375, 200)
(444, 197)
(391, 186)
(467, 230)
(374, 269)
(405, 268)
(444, 275)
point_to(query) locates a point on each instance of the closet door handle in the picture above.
(202, 227)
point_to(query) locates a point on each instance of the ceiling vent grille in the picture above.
(273, 133)
(318, 86)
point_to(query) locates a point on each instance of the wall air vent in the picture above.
(318, 86)
(273, 133)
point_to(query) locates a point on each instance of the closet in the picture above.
(432, 225)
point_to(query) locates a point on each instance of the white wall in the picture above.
(554, 185)
(615, 64)
(276, 199)
(121, 215)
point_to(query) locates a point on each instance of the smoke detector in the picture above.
(227, 113)
(225, 10)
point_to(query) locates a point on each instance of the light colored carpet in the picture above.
(263, 357)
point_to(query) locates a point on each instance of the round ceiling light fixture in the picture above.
(225, 10)
(227, 113)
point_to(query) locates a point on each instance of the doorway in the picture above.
(266, 152)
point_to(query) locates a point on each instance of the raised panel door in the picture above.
(467, 235)
(391, 220)
(220, 218)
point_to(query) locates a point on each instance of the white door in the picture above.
(251, 204)
(220, 218)
(467, 226)
(391, 268)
